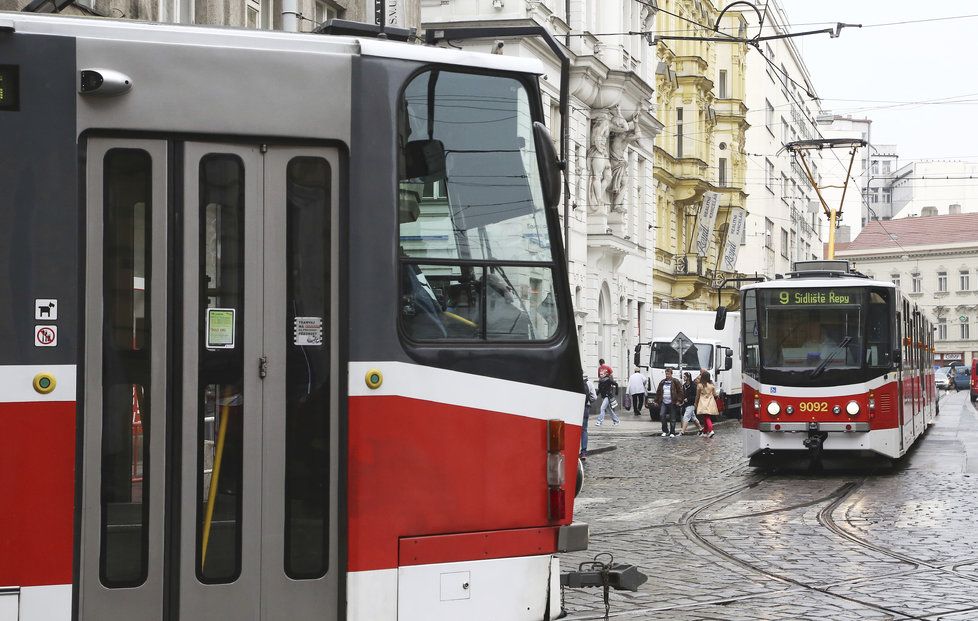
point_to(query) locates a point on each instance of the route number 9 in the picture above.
(783, 297)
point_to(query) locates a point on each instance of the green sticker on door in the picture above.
(220, 328)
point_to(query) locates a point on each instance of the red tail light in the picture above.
(555, 436)
(557, 503)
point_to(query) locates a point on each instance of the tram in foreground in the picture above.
(286, 329)
(834, 365)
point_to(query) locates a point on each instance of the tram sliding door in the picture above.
(237, 430)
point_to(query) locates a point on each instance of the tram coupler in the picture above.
(618, 576)
(814, 443)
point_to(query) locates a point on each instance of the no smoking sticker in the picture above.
(45, 336)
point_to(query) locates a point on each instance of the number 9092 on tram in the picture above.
(834, 364)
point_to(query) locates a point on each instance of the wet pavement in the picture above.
(722, 541)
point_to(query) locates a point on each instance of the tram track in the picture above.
(688, 524)
(826, 519)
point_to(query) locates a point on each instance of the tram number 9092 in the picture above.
(813, 406)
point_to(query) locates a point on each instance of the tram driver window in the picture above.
(476, 260)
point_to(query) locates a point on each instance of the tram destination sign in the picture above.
(807, 298)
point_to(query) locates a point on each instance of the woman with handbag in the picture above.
(706, 401)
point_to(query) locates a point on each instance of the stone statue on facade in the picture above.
(598, 163)
(647, 19)
(624, 133)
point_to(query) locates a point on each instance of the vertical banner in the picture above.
(736, 231)
(705, 222)
(395, 13)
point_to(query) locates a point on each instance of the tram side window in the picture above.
(126, 369)
(220, 427)
(476, 260)
(879, 338)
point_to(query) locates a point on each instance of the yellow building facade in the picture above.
(700, 99)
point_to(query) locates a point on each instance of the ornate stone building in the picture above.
(700, 98)
(612, 127)
(264, 14)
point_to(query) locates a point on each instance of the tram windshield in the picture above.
(818, 336)
(474, 239)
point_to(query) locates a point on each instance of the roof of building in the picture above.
(920, 231)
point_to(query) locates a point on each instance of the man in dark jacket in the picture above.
(669, 395)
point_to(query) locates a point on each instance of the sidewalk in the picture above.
(638, 425)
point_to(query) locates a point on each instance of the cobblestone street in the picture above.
(722, 541)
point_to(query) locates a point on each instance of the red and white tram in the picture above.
(833, 363)
(286, 330)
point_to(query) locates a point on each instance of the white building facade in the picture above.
(785, 221)
(934, 261)
(612, 127)
(935, 187)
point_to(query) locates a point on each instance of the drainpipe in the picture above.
(290, 15)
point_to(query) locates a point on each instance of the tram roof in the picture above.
(272, 40)
(820, 283)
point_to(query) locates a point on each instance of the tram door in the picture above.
(210, 453)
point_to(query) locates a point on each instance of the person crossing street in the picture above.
(668, 395)
(637, 387)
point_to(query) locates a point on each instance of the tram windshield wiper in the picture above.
(821, 366)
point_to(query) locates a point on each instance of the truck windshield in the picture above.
(700, 356)
(476, 259)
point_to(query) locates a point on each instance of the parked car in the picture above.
(941, 377)
(962, 378)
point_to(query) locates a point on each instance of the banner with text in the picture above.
(704, 226)
(736, 231)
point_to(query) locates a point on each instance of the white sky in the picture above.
(901, 63)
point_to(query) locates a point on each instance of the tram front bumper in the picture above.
(833, 427)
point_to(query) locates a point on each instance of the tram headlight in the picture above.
(773, 408)
(852, 408)
(789, 410)
(836, 409)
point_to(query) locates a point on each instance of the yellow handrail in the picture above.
(215, 477)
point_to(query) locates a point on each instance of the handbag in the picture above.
(628, 402)
(613, 402)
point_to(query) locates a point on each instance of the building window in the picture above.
(768, 234)
(895, 279)
(784, 243)
(679, 132)
(323, 13)
(784, 187)
(253, 14)
(769, 175)
(965, 281)
(942, 281)
(965, 330)
(875, 167)
(886, 167)
(915, 283)
(942, 329)
(887, 196)
(769, 116)
(722, 86)
(874, 195)
(785, 131)
(722, 172)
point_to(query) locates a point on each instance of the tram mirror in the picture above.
(637, 358)
(721, 318)
(549, 163)
(424, 159)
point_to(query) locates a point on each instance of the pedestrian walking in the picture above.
(637, 387)
(669, 394)
(689, 405)
(706, 401)
(589, 398)
(604, 369)
(607, 389)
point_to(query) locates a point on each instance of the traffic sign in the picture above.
(681, 343)
(45, 336)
